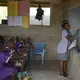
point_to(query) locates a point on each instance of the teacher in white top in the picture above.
(62, 49)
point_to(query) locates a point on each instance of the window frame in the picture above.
(50, 15)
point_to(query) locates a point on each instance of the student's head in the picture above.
(10, 44)
(65, 25)
(12, 38)
(17, 39)
(24, 41)
(28, 39)
(64, 21)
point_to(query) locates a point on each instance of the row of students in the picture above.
(6, 50)
(6, 71)
(19, 44)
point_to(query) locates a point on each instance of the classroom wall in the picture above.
(74, 61)
(51, 35)
(74, 18)
(74, 65)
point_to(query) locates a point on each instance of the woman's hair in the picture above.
(64, 22)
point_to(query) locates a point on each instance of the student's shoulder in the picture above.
(64, 31)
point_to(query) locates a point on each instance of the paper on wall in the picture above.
(18, 21)
(15, 20)
(11, 20)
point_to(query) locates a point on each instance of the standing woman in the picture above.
(62, 49)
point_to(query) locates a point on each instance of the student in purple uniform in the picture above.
(10, 47)
(17, 44)
(29, 44)
(23, 43)
(5, 71)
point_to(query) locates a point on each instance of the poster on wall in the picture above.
(15, 21)
(11, 21)
(18, 21)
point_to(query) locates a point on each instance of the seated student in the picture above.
(23, 43)
(10, 47)
(8, 50)
(17, 44)
(5, 71)
(29, 44)
(12, 38)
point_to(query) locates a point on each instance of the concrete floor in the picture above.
(48, 71)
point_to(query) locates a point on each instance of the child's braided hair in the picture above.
(64, 22)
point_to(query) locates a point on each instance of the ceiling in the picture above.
(47, 2)
(4, 2)
(55, 1)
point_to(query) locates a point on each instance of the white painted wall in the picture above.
(74, 18)
(74, 62)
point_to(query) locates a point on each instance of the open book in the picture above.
(73, 44)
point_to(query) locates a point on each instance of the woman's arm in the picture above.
(69, 38)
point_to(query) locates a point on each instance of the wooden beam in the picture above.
(5, 2)
(9, 0)
(34, 2)
(42, 5)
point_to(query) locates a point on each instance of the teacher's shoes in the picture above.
(65, 74)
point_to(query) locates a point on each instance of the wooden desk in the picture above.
(22, 59)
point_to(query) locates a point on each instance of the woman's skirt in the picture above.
(63, 56)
